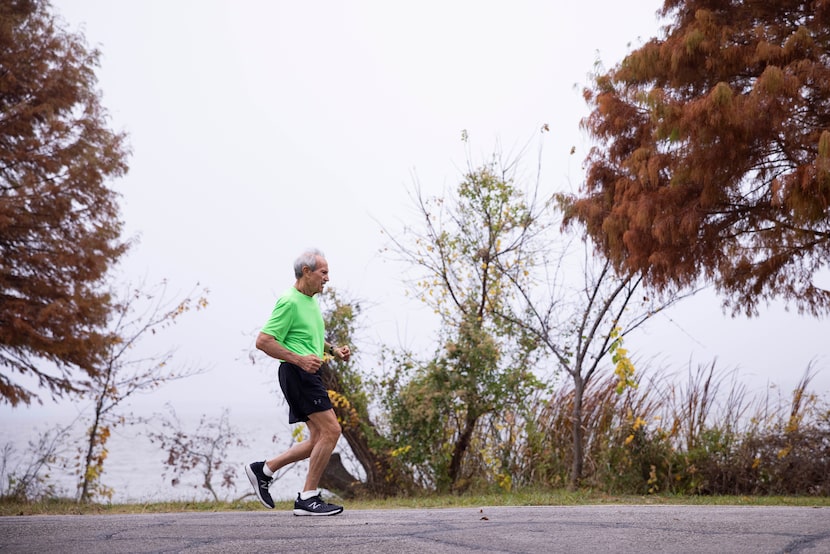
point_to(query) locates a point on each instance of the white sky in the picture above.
(259, 128)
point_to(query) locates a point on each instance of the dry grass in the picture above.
(554, 497)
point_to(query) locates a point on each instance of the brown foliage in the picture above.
(713, 155)
(59, 223)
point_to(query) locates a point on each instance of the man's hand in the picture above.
(309, 363)
(342, 352)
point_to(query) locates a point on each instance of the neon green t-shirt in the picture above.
(297, 323)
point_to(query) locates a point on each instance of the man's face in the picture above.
(319, 277)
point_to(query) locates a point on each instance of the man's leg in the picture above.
(325, 431)
(299, 451)
(261, 480)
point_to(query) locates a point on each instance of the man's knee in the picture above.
(327, 426)
(331, 429)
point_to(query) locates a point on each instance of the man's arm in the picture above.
(273, 348)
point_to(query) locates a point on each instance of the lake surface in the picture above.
(135, 467)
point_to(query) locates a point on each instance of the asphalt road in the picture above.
(675, 529)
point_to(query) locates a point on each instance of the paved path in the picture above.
(538, 530)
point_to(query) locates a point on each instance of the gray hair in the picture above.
(306, 259)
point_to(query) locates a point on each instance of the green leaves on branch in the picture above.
(472, 248)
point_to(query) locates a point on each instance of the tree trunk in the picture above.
(460, 449)
(90, 451)
(93, 432)
(578, 439)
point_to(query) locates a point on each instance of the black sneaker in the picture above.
(261, 482)
(315, 506)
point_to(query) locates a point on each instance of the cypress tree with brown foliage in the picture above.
(59, 223)
(713, 153)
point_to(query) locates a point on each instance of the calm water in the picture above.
(135, 467)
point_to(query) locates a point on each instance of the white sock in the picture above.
(267, 470)
(305, 495)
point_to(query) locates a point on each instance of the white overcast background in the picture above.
(259, 128)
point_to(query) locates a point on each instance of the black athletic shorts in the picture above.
(303, 391)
